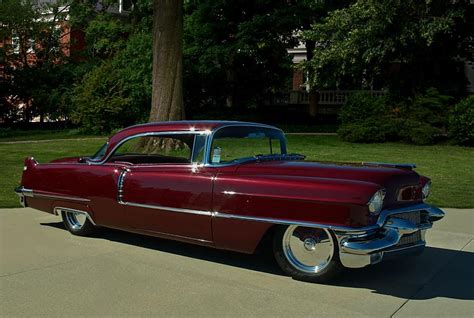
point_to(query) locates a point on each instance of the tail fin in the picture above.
(30, 162)
(28, 167)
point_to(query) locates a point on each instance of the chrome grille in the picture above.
(414, 217)
(410, 238)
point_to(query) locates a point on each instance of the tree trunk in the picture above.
(26, 112)
(167, 90)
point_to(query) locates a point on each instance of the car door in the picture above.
(162, 191)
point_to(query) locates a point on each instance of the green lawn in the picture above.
(45, 134)
(451, 168)
(13, 155)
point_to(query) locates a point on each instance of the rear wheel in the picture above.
(78, 223)
(307, 253)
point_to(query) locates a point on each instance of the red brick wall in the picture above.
(298, 80)
(77, 44)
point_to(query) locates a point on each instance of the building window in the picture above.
(15, 43)
(31, 46)
(125, 5)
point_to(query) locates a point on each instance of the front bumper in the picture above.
(398, 231)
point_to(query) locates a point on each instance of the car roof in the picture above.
(188, 124)
(185, 125)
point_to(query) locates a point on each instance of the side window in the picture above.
(155, 149)
(231, 144)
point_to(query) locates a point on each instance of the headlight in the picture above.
(376, 202)
(426, 190)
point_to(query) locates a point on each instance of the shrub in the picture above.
(5, 132)
(366, 118)
(361, 106)
(425, 117)
(461, 122)
(368, 131)
(419, 120)
(418, 133)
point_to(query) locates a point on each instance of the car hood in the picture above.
(390, 178)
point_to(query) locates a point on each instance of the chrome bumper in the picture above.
(395, 232)
(22, 192)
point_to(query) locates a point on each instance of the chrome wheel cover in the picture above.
(308, 249)
(76, 220)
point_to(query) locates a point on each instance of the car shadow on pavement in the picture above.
(436, 273)
(261, 262)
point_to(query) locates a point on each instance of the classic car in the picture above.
(234, 186)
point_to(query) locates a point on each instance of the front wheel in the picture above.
(307, 253)
(78, 223)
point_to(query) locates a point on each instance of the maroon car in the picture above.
(233, 185)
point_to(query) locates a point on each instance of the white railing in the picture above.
(325, 97)
(298, 97)
(339, 97)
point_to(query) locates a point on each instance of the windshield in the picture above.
(237, 143)
(100, 153)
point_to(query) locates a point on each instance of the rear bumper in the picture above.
(22, 193)
(398, 232)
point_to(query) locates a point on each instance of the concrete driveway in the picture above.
(46, 271)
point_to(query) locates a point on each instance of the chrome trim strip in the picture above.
(120, 182)
(193, 149)
(32, 194)
(153, 133)
(285, 222)
(59, 209)
(158, 207)
(63, 197)
(410, 166)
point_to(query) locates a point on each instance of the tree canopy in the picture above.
(33, 35)
(235, 51)
(405, 45)
(235, 56)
